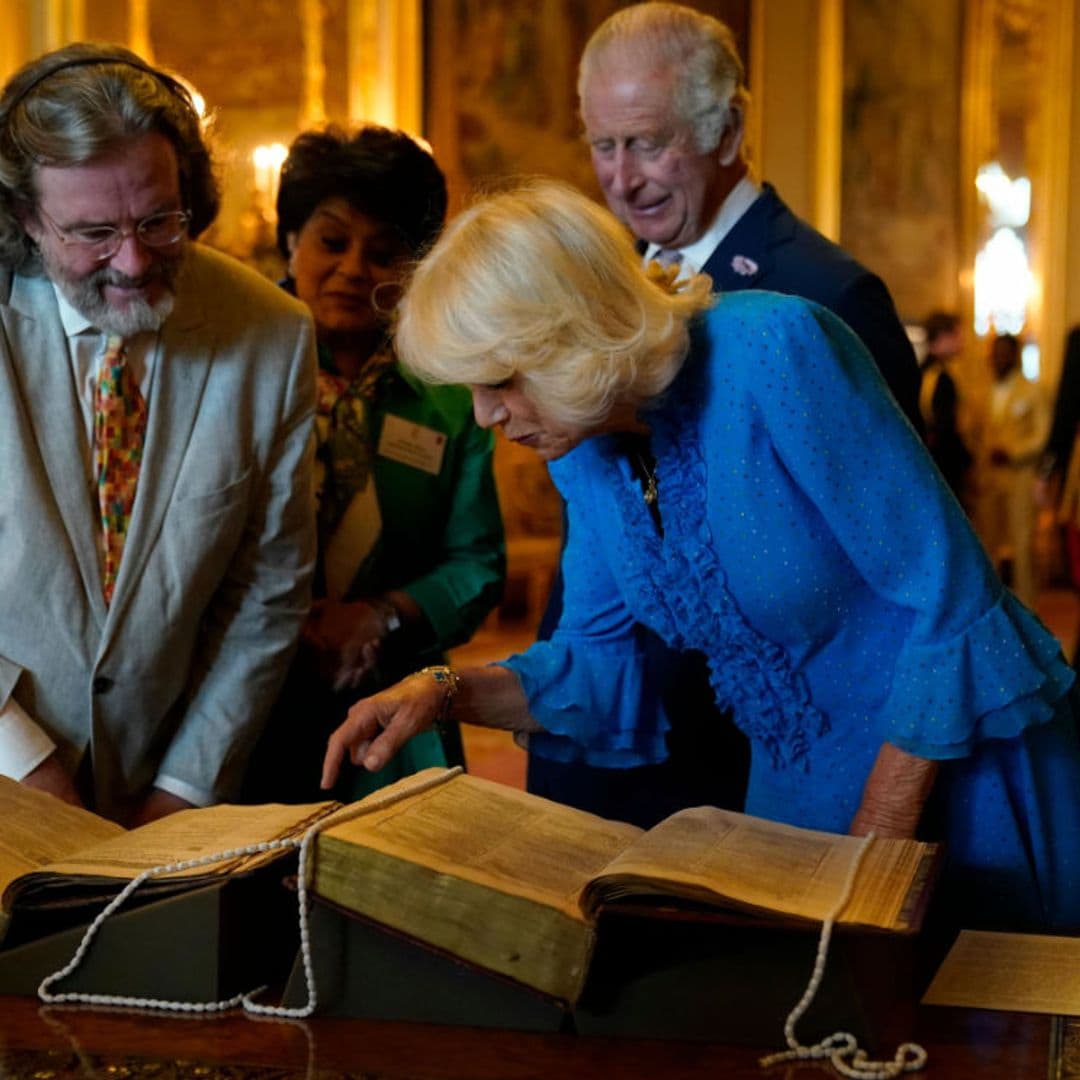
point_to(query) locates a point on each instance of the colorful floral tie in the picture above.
(119, 426)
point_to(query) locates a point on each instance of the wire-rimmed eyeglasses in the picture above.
(101, 242)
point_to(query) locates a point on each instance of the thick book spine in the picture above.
(523, 939)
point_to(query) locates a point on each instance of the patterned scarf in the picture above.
(346, 444)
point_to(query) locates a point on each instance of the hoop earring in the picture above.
(380, 304)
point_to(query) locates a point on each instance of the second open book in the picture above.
(512, 883)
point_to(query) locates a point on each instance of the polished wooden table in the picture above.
(50, 1043)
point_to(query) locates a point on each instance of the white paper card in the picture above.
(1034, 973)
(412, 444)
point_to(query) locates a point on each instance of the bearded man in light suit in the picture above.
(135, 679)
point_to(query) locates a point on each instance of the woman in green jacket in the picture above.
(411, 554)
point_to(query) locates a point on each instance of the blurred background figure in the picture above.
(1060, 467)
(411, 553)
(939, 402)
(1016, 428)
(1059, 446)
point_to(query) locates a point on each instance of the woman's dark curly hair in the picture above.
(380, 172)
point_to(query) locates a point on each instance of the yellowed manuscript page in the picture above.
(1017, 972)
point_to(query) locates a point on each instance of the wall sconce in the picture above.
(1004, 283)
(1009, 201)
(266, 162)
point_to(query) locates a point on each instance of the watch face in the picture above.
(391, 617)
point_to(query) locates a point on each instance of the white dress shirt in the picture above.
(696, 255)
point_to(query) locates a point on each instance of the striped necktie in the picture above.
(119, 427)
(664, 268)
(669, 257)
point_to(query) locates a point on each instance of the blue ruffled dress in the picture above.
(813, 553)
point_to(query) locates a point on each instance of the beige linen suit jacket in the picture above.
(176, 676)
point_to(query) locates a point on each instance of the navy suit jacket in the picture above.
(781, 253)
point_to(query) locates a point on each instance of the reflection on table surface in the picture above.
(50, 1042)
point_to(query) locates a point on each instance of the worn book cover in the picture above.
(59, 863)
(513, 883)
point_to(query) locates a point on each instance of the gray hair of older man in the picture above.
(82, 102)
(698, 49)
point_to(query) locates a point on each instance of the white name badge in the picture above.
(412, 444)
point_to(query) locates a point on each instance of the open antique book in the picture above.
(59, 864)
(513, 883)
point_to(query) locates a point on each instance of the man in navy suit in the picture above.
(664, 107)
(664, 103)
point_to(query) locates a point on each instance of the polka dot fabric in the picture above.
(812, 552)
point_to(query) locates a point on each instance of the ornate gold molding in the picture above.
(56, 22)
(313, 100)
(830, 117)
(1056, 153)
(1047, 80)
(795, 127)
(139, 29)
(386, 63)
(1064, 1049)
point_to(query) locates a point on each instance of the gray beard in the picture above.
(86, 295)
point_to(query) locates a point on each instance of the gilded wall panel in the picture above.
(240, 55)
(900, 203)
(501, 85)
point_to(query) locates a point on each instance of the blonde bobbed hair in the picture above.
(541, 283)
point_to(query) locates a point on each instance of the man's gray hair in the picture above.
(76, 104)
(699, 49)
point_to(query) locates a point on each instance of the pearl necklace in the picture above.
(841, 1049)
(305, 844)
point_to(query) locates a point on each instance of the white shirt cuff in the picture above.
(181, 790)
(23, 745)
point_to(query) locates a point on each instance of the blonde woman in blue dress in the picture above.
(740, 482)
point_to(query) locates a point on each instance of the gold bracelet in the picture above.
(443, 673)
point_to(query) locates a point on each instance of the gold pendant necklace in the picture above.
(651, 491)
